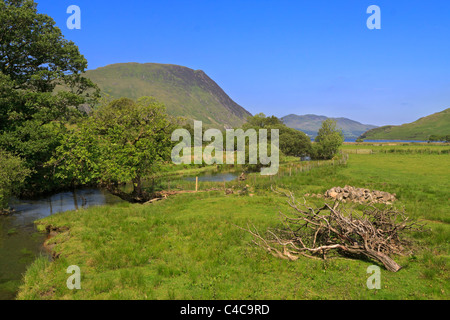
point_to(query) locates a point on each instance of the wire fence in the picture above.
(398, 150)
(177, 184)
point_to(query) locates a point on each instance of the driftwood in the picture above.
(314, 232)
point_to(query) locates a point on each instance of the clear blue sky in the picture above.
(282, 57)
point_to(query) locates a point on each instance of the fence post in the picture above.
(196, 184)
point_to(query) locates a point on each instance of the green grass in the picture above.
(407, 148)
(188, 247)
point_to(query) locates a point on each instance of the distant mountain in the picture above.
(310, 124)
(422, 129)
(185, 92)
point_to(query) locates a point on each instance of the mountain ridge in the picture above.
(310, 124)
(185, 92)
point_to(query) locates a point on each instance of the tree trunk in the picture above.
(137, 186)
(390, 264)
(137, 196)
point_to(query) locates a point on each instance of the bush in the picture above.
(12, 176)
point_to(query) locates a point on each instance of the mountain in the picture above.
(185, 92)
(435, 124)
(310, 124)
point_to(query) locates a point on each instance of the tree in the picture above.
(41, 85)
(12, 174)
(292, 142)
(328, 141)
(122, 142)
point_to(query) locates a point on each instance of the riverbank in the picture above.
(21, 243)
(188, 246)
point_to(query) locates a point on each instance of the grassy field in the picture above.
(188, 246)
(396, 147)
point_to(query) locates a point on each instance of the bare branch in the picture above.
(314, 232)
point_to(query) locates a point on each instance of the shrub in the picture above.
(12, 176)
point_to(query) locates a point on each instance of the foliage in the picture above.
(328, 141)
(12, 175)
(41, 84)
(292, 142)
(123, 141)
(438, 138)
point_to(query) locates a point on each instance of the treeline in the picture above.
(41, 87)
(298, 144)
(439, 138)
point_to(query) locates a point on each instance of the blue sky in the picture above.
(281, 57)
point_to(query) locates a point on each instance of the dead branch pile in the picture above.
(315, 232)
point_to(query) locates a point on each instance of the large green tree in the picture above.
(41, 86)
(328, 141)
(121, 142)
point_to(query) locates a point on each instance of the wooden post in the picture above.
(196, 184)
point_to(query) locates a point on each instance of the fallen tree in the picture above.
(315, 232)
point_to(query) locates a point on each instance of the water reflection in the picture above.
(31, 210)
(215, 177)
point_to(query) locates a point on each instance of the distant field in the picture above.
(396, 147)
(187, 247)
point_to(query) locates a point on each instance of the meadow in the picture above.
(189, 246)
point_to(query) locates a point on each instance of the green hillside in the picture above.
(422, 129)
(311, 123)
(185, 92)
